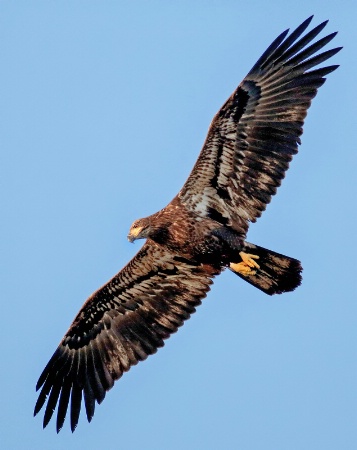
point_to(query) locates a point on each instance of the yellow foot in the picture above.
(245, 267)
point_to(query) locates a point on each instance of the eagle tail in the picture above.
(268, 271)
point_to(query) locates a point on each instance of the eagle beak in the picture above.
(134, 233)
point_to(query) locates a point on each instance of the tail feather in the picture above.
(276, 273)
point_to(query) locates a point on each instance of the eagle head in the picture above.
(140, 229)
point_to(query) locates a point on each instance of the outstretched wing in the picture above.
(122, 323)
(254, 136)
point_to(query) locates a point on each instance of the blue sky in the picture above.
(104, 108)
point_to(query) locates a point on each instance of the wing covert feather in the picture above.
(119, 325)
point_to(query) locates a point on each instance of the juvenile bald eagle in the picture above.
(249, 146)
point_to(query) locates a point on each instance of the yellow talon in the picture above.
(244, 267)
(249, 258)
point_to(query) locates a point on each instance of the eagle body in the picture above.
(248, 148)
(189, 234)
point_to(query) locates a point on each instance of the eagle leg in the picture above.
(246, 265)
(234, 240)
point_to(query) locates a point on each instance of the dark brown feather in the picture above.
(254, 136)
(120, 324)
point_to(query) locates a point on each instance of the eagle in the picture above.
(200, 233)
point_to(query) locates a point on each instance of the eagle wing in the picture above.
(254, 136)
(120, 324)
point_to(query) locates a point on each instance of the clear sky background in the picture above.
(104, 108)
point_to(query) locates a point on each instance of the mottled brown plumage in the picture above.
(201, 232)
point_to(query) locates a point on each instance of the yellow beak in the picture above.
(134, 233)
